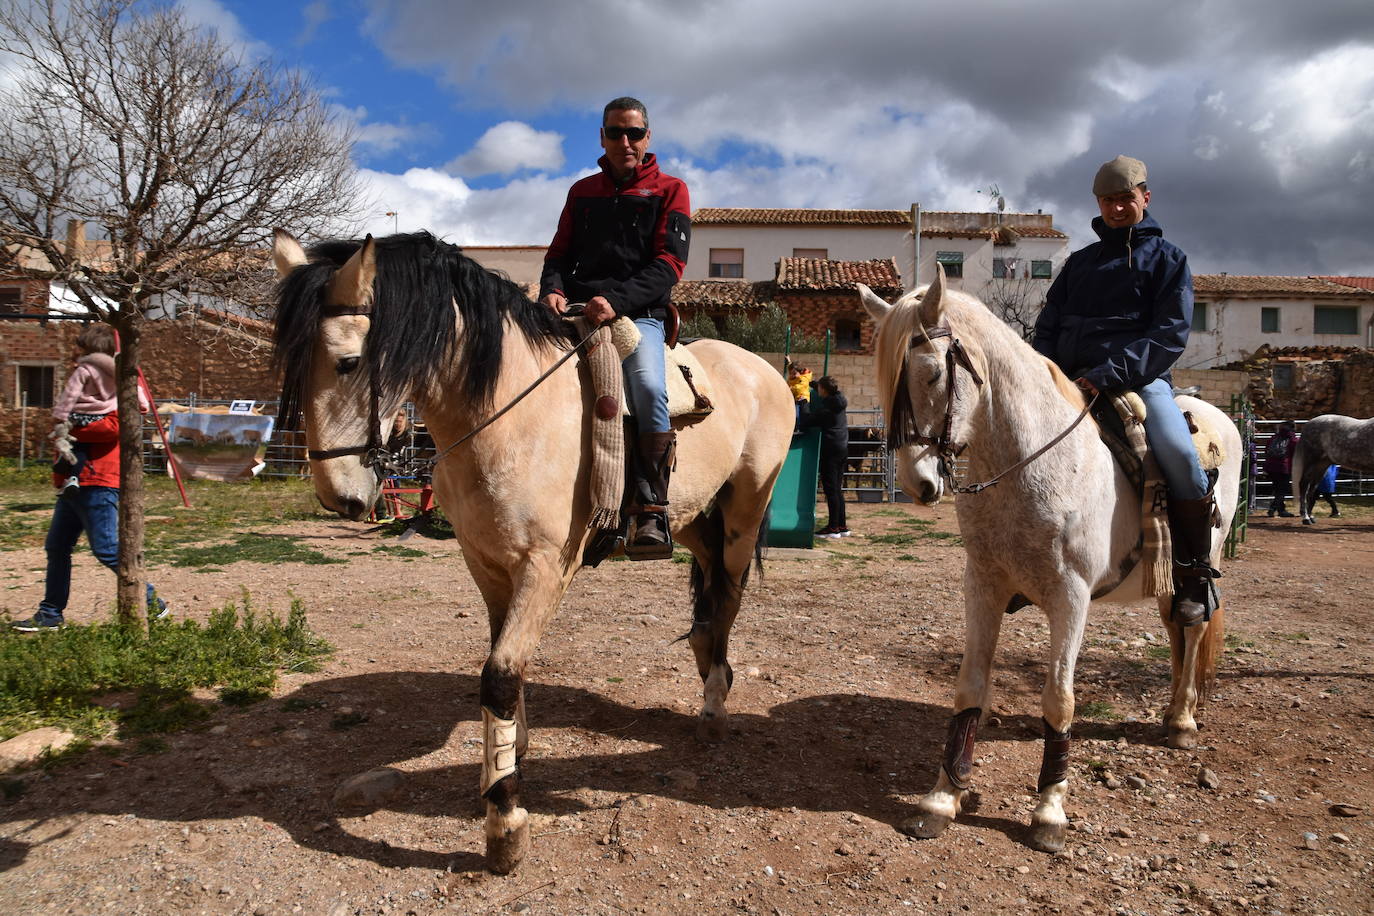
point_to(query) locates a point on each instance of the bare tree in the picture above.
(181, 150)
(1015, 297)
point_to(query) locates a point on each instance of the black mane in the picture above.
(419, 278)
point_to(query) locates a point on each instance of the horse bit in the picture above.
(903, 429)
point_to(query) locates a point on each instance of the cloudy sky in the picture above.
(1255, 117)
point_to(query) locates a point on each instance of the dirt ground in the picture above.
(844, 663)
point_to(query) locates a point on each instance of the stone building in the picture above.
(1303, 382)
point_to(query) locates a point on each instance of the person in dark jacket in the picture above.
(828, 415)
(1278, 466)
(1116, 319)
(620, 247)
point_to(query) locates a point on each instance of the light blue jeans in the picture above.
(646, 380)
(1167, 431)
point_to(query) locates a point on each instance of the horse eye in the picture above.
(935, 376)
(346, 365)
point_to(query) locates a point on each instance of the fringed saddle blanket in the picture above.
(1142, 469)
(687, 396)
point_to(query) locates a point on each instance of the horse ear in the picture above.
(287, 253)
(352, 284)
(877, 309)
(933, 302)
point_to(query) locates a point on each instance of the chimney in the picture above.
(76, 240)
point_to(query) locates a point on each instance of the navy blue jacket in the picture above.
(1120, 310)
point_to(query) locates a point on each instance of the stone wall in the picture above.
(1342, 385)
(1218, 386)
(181, 357)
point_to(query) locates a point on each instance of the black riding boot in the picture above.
(1190, 522)
(653, 467)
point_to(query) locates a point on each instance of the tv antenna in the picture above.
(996, 194)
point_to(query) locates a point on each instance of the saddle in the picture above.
(1112, 415)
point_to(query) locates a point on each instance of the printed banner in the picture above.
(219, 446)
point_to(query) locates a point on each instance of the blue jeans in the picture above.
(1167, 432)
(94, 510)
(646, 380)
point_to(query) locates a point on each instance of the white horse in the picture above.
(1061, 531)
(1327, 440)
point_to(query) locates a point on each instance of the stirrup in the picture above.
(654, 549)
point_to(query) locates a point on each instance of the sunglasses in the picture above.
(634, 133)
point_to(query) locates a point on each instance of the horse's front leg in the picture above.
(538, 589)
(1067, 617)
(938, 808)
(1193, 652)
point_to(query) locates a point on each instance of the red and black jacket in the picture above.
(627, 243)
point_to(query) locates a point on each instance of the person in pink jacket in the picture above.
(88, 396)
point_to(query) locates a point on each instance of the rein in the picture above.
(903, 430)
(387, 457)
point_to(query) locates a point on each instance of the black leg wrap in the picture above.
(1054, 765)
(958, 763)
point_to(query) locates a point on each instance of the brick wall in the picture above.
(1218, 386)
(814, 313)
(180, 358)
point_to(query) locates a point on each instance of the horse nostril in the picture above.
(929, 492)
(352, 508)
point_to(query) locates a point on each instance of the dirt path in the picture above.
(844, 668)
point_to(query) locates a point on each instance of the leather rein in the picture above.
(384, 457)
(903, 430)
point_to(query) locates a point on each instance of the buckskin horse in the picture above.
(364, 326)
(1060, 529)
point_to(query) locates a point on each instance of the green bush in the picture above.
(765, 332)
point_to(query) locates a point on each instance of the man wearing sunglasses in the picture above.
(620, 247)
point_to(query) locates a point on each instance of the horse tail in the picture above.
(1208, 652)
(711, 583)
(761, 542)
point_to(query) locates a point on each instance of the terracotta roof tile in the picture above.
(1358, 282)
(746, 216)
(1273, 287)
(728, 293)
(880, 274)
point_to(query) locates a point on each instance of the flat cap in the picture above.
(1121, 174)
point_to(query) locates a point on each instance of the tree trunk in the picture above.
(130, 600)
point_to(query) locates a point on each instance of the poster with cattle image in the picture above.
(219, 446)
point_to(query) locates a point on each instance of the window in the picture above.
(1040, 270)
(821, 253)
(1283, 377)
(1200, 316)
(1336, 319)
(1269, 320)
(35, 382)
(999, 268)
(953, 262)
(11, 300)
(727, 263)
(847, 334)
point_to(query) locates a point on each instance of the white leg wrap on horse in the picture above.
(498, 748)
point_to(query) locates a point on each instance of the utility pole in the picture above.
(916, 245)
(395, 221)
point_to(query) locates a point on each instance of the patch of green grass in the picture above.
(1233, 642)
(1294, 637)
(398, 550)
(909, 558)
(1098, 709)
(1159, 652)
(901, 540)
(249, 547)
(55, 678)
(889, 513)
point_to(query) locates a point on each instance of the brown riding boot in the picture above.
(1190, 522)
(654, 466)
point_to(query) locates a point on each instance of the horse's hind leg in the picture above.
(722, 552)
(1049, 825)
(982, 624)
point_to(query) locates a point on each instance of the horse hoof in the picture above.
(1048, 837)
(1308, 521)
(1182, 739)
(925, 826)
(712, 729)
(508, 848)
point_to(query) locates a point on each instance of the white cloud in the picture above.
(211, 14)
(314, 15)
(523, 212)
(509, 147)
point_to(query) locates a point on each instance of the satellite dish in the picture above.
(1001, 203)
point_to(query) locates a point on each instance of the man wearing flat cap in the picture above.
(1116, 319)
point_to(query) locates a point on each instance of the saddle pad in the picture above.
(685, 398)
(1206, 441)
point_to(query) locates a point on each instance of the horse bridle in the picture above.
(903, 430)
(384, 457)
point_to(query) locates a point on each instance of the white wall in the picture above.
(1233, 329)
(765, 245)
